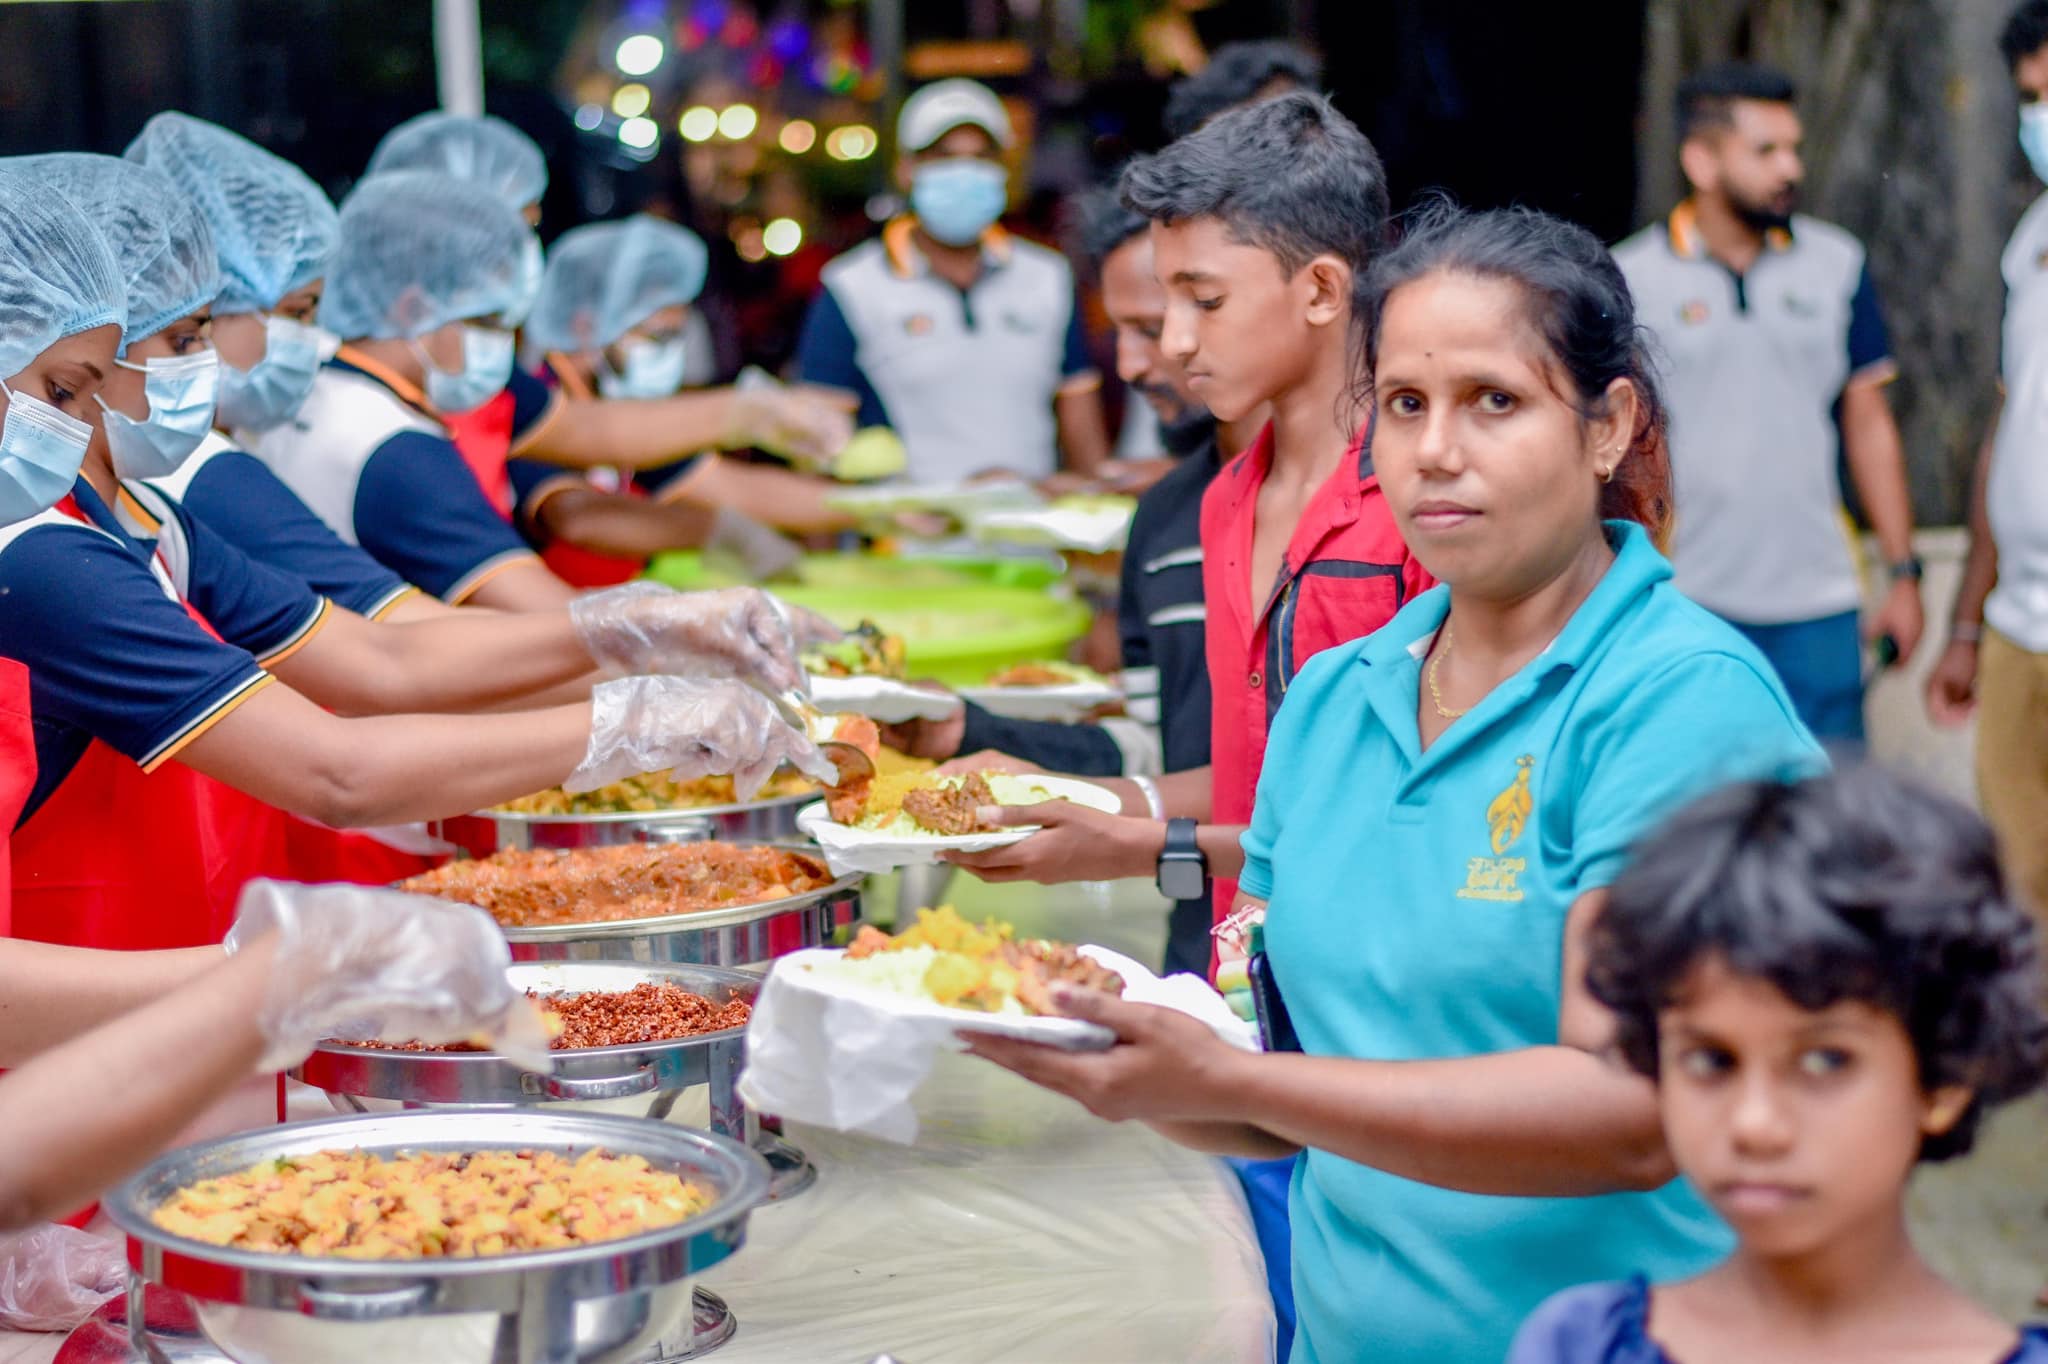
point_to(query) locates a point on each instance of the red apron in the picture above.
(483, 438)
(572, 563)
(17, 765)
(315, 853)
(122, 858)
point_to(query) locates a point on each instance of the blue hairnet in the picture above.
(273, 228)
(160, 242)
(479, 149)
(57, 277)
(605, 279)
(419, 251)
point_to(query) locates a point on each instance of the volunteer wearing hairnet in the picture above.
(154, 416)
(163, 665)
(653, 429)
(484, 151)
(612, 319)
(305, 958)
(426, 271)
(273, 234)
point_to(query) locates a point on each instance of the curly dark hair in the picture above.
(1853, 886)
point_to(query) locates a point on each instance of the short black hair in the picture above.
(2025, 32)
(1236, 74)
(1853, 886)
(1099, 223)
(1707, 98)
(1289, 175)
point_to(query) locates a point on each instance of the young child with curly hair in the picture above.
(1829, 983)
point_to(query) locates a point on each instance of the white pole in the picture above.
(459, 56)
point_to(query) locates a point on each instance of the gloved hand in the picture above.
(810, 628)
(733, 632)
(52, 1277)
(763, 553)
(363, 962)
(691, 727)
(807, 424)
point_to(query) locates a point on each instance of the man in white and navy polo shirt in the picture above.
(1774, 361)
(963, 338)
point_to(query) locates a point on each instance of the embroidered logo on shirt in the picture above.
(918, 324)
(1498, 877)
(1693, 313)
(1800, 305)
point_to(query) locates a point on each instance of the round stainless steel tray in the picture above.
(643, 1079)
(489, 831)
(608, 1303)
(150, 1325)
(651, 1074)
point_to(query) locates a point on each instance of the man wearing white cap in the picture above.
(964, 339)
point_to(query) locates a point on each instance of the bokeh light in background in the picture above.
(698, 124)
(639, 54)
(782, 237)
(799, 135)
(639, 133)
(854, 142)
(631, 101)
(738, 122)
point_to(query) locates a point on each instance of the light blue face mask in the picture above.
(2034, 137)
(487, 355)
(41, 450)
(532, 265)
(653, 369)
(271, 392)
(181, 391)
(959, 199)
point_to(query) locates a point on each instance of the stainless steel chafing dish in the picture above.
(606, 1303)
(488, 831)
(744, 935)
(642, 1079)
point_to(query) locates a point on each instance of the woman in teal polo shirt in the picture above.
(1442, 807)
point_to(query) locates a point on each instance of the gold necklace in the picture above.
(1436, 693)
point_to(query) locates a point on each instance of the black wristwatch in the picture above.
(1908, 569)
(1183, 867)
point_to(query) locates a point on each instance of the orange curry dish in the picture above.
(542, 887)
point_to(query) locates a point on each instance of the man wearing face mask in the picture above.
(1996, 662)
(964, 339)
(1776, 358)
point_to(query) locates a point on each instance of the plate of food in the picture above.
(973, 977)
(844, 1037)
(955, 501)
(1091, 523)
(881, 698)
(902, 820)
(1044, 691)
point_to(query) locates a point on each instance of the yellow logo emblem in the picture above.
(1499, 877)
(1509, 813)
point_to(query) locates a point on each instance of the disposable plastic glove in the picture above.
(362, 962)
(52, 1277)
(760, 551)
(810, 628)
(808, 425)
(733, 632)
(691, 727)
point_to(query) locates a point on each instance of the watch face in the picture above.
(1180, 880)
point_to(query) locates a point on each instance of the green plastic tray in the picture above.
(958, 635)
(686, 569)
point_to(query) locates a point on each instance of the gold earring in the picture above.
(1607, 475)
